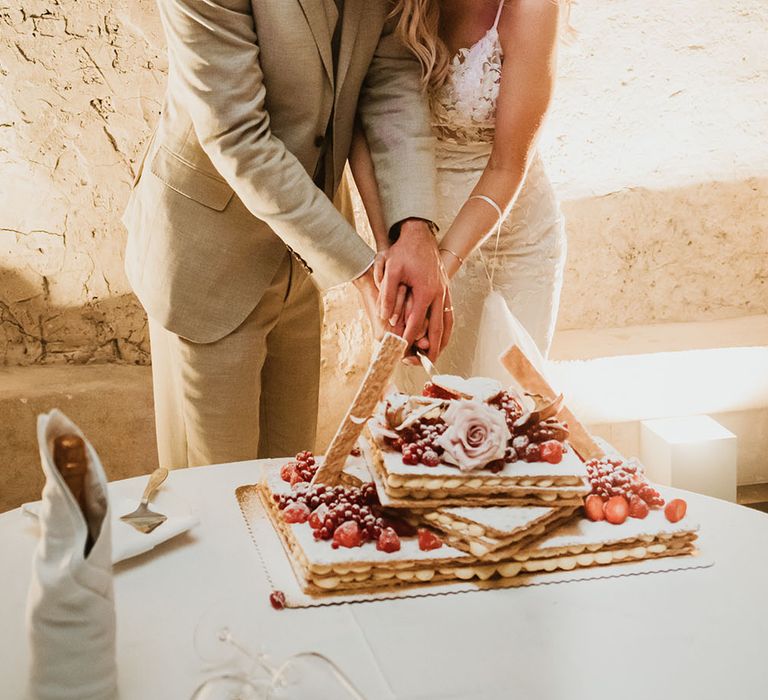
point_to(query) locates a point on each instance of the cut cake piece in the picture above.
(495, 532)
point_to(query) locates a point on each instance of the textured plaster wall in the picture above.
(80, 87)
(657, 142)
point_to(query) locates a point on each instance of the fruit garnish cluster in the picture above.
(621, 490)
(347, 516)
(472, 424)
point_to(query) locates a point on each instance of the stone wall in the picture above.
(657, 143)
(80, 87)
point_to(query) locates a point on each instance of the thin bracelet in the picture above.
(455, 255)
(488, 200)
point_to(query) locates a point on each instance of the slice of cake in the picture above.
(495, 532)
(470, 442)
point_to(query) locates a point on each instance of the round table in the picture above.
(690, 634)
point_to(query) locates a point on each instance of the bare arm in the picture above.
(395, 118)
(529, 31)
(361, 165)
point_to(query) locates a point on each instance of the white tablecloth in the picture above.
(690, 634)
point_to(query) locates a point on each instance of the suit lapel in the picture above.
(353, 13)
(314, 11)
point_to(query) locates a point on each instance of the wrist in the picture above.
(413, 227)
(450, 264)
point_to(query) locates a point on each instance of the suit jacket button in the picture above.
(319, 140)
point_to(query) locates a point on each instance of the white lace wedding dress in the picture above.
(527, 267)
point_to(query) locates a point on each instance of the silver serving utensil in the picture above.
(143, 519)
(426, 363)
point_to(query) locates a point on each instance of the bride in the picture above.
(489, 69)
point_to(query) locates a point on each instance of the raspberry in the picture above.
(638, 508)
(388, 541)
(277, 600)
(286, 471)
(552, 451)
(533, 453)
(520, 443)
(410, 456)
(593, 507)
(496, 466)
(296, 477)
(428, 540)
(430, 458)
(616, 510)
(675, 510)
(356, 452)
(305, 456)
(317, 517)
(296, 513)
(347, 535)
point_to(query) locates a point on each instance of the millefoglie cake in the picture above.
(471, 442)
(469, 484)
(340, 539)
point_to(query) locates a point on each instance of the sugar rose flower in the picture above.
(476, 435)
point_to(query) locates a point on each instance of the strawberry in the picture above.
(297, 512)
(594, 507)
(675, 510)
(428, 540)
(552, 451)
(616, 510)
(638, 508)
(347, 535)
(388, 541)
(287, 470)
(318, 515)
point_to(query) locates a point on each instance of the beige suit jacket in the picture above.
(227, 181)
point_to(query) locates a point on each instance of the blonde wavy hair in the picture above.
(418, 26)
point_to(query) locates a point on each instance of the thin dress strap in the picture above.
(498, 14)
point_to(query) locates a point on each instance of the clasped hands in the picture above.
(407, 292)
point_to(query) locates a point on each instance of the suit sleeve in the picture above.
(395, 116)
(214, 69)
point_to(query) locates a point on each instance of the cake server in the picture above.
(426, 363)
(144, 519)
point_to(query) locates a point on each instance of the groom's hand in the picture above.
(414, 261)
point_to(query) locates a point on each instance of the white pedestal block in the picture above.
(695, 453)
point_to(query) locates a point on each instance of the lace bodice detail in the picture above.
(464, 107)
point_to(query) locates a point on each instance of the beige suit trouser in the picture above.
(252, 394)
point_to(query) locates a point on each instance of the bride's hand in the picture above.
(379, 262)
(397, 320)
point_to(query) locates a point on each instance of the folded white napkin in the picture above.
(128, 542)
(70, 608)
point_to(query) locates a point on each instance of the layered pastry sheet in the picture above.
(520, 483)
(577, 543)
(495, 532)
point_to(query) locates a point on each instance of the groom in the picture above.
(232, 233)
